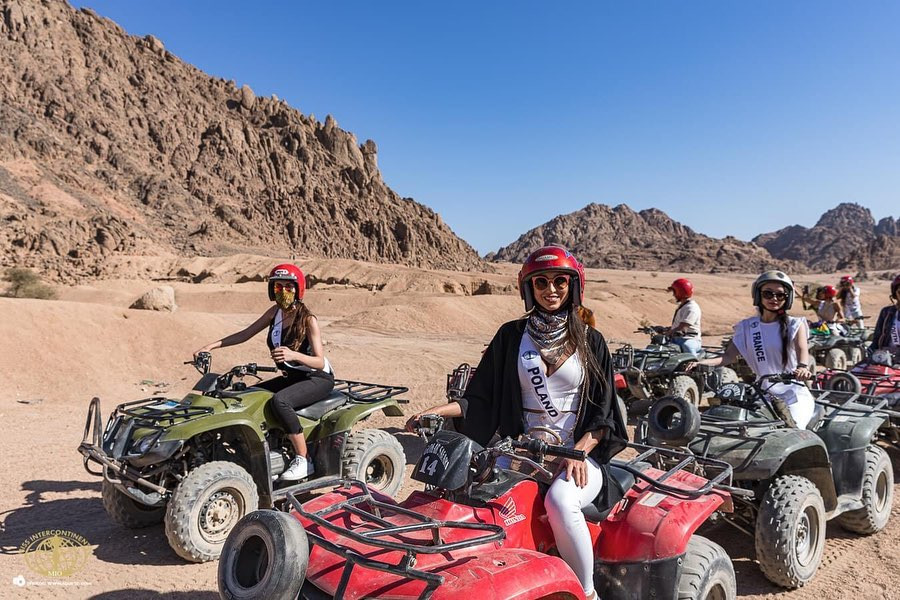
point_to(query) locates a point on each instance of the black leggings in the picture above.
(293, 392)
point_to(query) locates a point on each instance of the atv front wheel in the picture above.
(707, 572)
(877, 495)
(375, 457)
(265, 556)
(790, 531)
(836, 359)
(686, 387)
(856, 356)
(126, 511)
(205, 507)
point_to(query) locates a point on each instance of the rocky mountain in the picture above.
(620, 238)
(845, 238)
(111, 145)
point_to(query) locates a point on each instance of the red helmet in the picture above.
(829, 291)
(846, 280)
(551, 258)
(683, 289)
(287, 272)
(895, 285)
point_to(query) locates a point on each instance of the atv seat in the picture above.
(816, 419)
(622, 481)
(317, 410)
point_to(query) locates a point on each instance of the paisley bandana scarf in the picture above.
(549, 333)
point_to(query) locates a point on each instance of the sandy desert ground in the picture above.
(56, 355)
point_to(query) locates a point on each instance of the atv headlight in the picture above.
(145, 444)
(156, 452)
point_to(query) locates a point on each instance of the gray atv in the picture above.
(795, 480)
(838, 351)
(660, 370)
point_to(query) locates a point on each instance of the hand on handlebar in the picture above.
(802, 373)
(691, 365)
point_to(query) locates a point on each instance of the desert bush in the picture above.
(24, 283)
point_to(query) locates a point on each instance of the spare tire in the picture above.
(844, 382)
(265, 556)
(674, 420)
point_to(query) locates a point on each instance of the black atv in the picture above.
(796, 479)
(839, 349)
(660, 370)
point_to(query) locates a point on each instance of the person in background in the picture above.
(685, 329)
(827, 308)
(848, 295)
(887, 329)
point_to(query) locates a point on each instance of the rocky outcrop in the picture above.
(109, 144)
(159, 298)
(846, 238)
(620, 238)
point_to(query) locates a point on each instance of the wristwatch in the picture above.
(801, 365)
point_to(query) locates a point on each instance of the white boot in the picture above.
(300, 468)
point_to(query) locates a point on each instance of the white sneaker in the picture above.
(300, 468)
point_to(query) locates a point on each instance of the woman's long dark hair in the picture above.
(580, 318)
(297, 332)
(784, 323)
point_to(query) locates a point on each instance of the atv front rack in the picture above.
(383, 529)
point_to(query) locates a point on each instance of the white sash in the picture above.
(533, 365)
(276, 329)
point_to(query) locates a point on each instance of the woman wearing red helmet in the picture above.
(887, 329)
(685, 330)
(550, 373)
(848, 295)
(826, 307)
(295, 343)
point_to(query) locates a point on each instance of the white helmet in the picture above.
(777, 277)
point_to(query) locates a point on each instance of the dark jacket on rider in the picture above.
(493, 401)
(882, 336)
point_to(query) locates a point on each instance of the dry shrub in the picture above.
(24, 283)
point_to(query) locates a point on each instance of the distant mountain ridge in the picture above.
(845, 238)
(620, 238)
(111, 145)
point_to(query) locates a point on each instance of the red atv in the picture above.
(481, 531)
(874, 376)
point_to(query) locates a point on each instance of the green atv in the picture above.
(201, 463)
(660, 370)
(790, 481)
(838, 350)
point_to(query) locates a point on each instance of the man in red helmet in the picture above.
(685, 330)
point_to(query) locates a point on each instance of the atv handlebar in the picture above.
(542, 448)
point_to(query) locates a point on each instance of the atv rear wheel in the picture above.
(707, 572)
(729, 375)
(265, 556)
(375, 457)
(836, 359)
(686, 387)
(790, 531)
(877, 495)
(205, 507)
(126, 511)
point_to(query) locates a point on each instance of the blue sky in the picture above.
(734, 118)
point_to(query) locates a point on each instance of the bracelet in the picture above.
(801, 365)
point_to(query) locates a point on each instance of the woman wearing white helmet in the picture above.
(774, 342)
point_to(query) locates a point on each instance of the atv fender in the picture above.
(847, 437)
(348, 415)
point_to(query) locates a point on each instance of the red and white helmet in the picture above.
(682, 288)
(846, 280)
(551, 258)
(829, 291)
(287, 272)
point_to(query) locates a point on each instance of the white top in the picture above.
(760, 345)
(553, 401)
(689, 313)
(852, 304)
(827, 311)
(276, 341)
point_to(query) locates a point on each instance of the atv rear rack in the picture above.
(721, 481)
(361, 392)
(374, 537)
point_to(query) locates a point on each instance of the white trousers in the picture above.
(563, 503)
(799, 400)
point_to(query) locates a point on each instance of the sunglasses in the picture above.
(280, 286)
(769, 295)
(560, 282)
